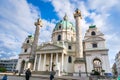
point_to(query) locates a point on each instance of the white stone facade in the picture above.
(60, 53)
(95, 49)
(25, 54)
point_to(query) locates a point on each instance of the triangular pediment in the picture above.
(49, 47)
(95, 39)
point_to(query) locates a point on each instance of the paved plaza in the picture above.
(42, 77)
(23, 78)
(46, 77)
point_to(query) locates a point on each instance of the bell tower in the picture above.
(26, 47)
(24, 54)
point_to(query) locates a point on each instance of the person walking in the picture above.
(27, 74)
(4, 77)
(51, 75)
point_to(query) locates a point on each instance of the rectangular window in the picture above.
(69, 47)
(94, 45)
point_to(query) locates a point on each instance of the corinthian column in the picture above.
(79, 46)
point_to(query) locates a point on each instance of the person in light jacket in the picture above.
(4, 77)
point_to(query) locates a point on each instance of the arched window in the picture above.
(59, 37)
(60, 27)
(27, 41)
(22, 66)
(97, 64)
(69, 59)
(93, 33)
(25, 50)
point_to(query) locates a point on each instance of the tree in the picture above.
(2, 69)
(102, 72)
(95, 72)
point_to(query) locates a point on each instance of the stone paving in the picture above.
(16, 77)
(23, 78)
(42, 77)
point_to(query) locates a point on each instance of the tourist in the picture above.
(27, 74)
(4, 77)
(51, 76)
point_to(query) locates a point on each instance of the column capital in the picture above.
(77, 13)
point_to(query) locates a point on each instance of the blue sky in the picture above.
(17, 19)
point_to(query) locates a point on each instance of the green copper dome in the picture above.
(64, 24)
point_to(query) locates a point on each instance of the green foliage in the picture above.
(47, 65)
(2, 69)
(54, 65)
(95, 72)
(102, 70)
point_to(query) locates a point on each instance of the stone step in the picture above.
(42, 72)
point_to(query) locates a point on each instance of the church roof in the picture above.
(92, 26)
(64, 24)
(30, 36)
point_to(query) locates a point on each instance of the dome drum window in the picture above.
(59, 37)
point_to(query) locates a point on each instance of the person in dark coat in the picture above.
(51, 76)
(27, 74)
(4, 77)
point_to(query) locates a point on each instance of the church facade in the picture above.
(60, 53)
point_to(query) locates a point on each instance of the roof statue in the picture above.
(65, 17)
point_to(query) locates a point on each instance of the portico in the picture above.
(49, 61)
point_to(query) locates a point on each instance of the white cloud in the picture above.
(102, 6)
(17, 21)
(100, 15)
(46, 30)
(62, 7)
